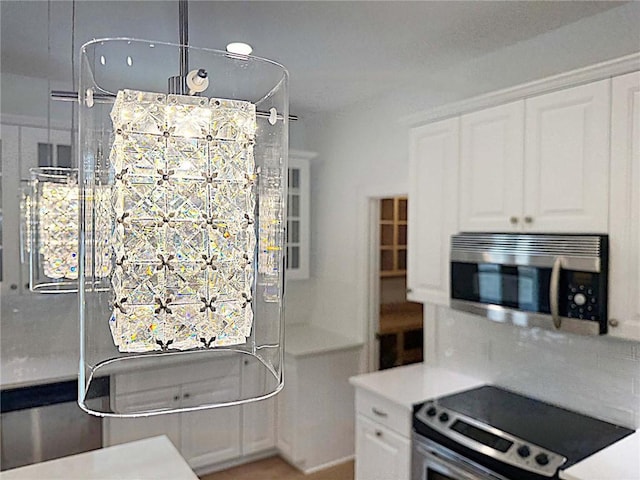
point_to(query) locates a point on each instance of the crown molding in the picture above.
(598, 71)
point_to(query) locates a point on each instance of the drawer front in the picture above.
(384, 412)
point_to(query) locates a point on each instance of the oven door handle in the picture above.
(554, 291)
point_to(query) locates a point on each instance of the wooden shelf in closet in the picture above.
(393, 237)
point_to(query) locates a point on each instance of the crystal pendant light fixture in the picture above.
(52, 229)
(49, 208)
(181, 220)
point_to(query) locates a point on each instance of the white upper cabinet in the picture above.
(491, 164)
(567, 160)
(624, 280)
(538, 165)
(298, 217)
(433, 209)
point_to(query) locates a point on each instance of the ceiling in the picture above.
(337, 53)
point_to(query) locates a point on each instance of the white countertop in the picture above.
(152, 458)
(620, 461)
(415, 383)
(301, 340)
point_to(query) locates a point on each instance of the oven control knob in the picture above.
(542, 459)
(431, 411)
(524, 451)
(444, 417)
(579, 299)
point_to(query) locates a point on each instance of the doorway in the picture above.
(399, 325)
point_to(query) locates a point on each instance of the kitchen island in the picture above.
(152, 458)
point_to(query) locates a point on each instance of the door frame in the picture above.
(371, 267)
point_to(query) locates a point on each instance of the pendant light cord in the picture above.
(73, 78)
(49, 145)
(183, 31)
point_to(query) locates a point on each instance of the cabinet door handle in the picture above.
(378, 433)
(176, 398)
(513, 220)
(186, 395)
(379, 413)
(528, 219)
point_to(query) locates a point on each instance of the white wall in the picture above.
(599, 376)
(363, 152)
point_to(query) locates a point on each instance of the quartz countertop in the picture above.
(152, 458)
(620, 461)
(415, 383)
(40, 339)
(302, 340)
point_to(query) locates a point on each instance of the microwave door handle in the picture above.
(554, 293)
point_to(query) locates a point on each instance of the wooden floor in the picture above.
(275, 468)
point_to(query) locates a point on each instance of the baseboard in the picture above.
(330, 464)
(234, 462)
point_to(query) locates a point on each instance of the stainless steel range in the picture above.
(492, 433)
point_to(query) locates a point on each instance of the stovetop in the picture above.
(502, 428)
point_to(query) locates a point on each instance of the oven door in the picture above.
(431, 461)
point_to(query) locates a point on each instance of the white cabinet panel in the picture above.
(122, 430)
(213, 435)
(380, 453)
(567, 160)
(258, 418)
(624, 281)
(433, 190)
(491, 164)
(12, 281)
(315, 409)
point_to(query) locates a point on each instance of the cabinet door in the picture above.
(11, 280)
(40, 147)
(491, 163)
(624, 282)
(213, 435)
(121, 430)
(380, 453)
(433, 207)
(258, 418)
(298, 217)
(567, 160)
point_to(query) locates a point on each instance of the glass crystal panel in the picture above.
(58, 214)
(183, 208)
(54, 217)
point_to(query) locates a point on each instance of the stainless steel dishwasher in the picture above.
(44, 422)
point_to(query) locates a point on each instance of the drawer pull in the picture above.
(378, 433)
(379, 413)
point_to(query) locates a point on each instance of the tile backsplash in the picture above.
(598, 376)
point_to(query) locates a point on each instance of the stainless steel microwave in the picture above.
(537, 280)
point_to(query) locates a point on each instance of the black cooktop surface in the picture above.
(564, 432)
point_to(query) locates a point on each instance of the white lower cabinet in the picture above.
(211, 436)
(381, 453)
(121, 430)
(383, 438)
(258, 418)
(315, 409)
(205, 438)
